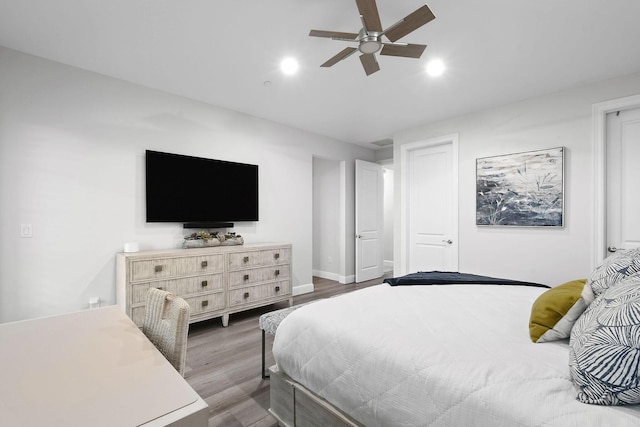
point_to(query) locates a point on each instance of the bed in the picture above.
(438, 355)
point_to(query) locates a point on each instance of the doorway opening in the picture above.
(333, 250)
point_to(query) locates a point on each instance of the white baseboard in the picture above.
(334, 276)
(347, 279)
(388, 265)
(326, 275)
(302, 289)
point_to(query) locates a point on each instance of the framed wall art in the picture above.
(521, 189)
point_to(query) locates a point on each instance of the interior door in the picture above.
(369, 221)
(622, 178)
(430, 205)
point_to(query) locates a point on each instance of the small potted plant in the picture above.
(231, 238)
(201, 239)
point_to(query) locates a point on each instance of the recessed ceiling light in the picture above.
(289, 66)
(435, 67)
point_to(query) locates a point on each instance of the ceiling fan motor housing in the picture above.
(370, 43)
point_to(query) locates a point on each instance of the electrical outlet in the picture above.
(26, 230)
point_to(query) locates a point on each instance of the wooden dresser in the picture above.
(216, 282)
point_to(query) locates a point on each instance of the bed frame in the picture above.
(293, 405)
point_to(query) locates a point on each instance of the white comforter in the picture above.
(456, 355)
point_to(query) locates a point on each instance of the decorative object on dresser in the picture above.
(203, 239)
(214, 281)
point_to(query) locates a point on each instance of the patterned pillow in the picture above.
(555, 311)
(604, 356)
(612, 270)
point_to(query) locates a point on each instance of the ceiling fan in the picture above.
(369, 38)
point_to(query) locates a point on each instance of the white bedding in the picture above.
(454, 355)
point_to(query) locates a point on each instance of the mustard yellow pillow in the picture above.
(555, 311)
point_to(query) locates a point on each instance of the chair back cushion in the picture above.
(166, 324)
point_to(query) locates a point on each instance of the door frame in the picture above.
(401, 259)
(599, 119)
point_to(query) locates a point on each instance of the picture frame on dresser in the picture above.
(215, 281)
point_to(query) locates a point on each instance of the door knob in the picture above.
(612, 249)
(449, 241)
(358, 236)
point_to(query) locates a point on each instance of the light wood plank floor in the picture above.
(223, 364)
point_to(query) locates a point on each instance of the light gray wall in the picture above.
(326, 218)
(551, 255)
(72, 148)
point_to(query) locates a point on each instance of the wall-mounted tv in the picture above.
(197, 190)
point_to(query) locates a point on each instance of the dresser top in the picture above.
(207, 250)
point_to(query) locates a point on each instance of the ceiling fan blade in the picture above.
(369, 11)
(333, 34)
(406, 51)
(369, 63)
(339, 57)
(410, 23)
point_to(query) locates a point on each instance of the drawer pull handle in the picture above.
(246, 277)
(277, 288)
(204, 264)
(158, 268)
(160, 288)
(277, 272)
(245, 259)
(276, 256)
(204, 283)
(205, 303)
(246, 295)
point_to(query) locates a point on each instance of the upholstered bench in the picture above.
(269, 323)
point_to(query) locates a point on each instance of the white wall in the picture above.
(552, 255)
(326, 218)
(72, 164)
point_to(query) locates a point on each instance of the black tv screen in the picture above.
(194, 189)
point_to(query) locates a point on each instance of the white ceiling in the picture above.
(496, 51)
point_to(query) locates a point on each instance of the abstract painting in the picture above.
(522, 189)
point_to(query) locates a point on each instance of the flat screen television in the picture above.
(197, 190)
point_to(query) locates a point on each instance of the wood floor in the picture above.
(223, 364)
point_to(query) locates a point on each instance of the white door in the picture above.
(369, 225)
(622, 180)
(429, 200)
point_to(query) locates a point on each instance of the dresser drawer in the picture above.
(179, 287)
(251, 294)
(244, 259)
(258, 258)
(256, 275)
(276, 256)
(207, 303)
(170, 267)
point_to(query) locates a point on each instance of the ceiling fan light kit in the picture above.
(369, 44)
(369, 38)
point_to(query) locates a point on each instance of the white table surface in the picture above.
(93, 367)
